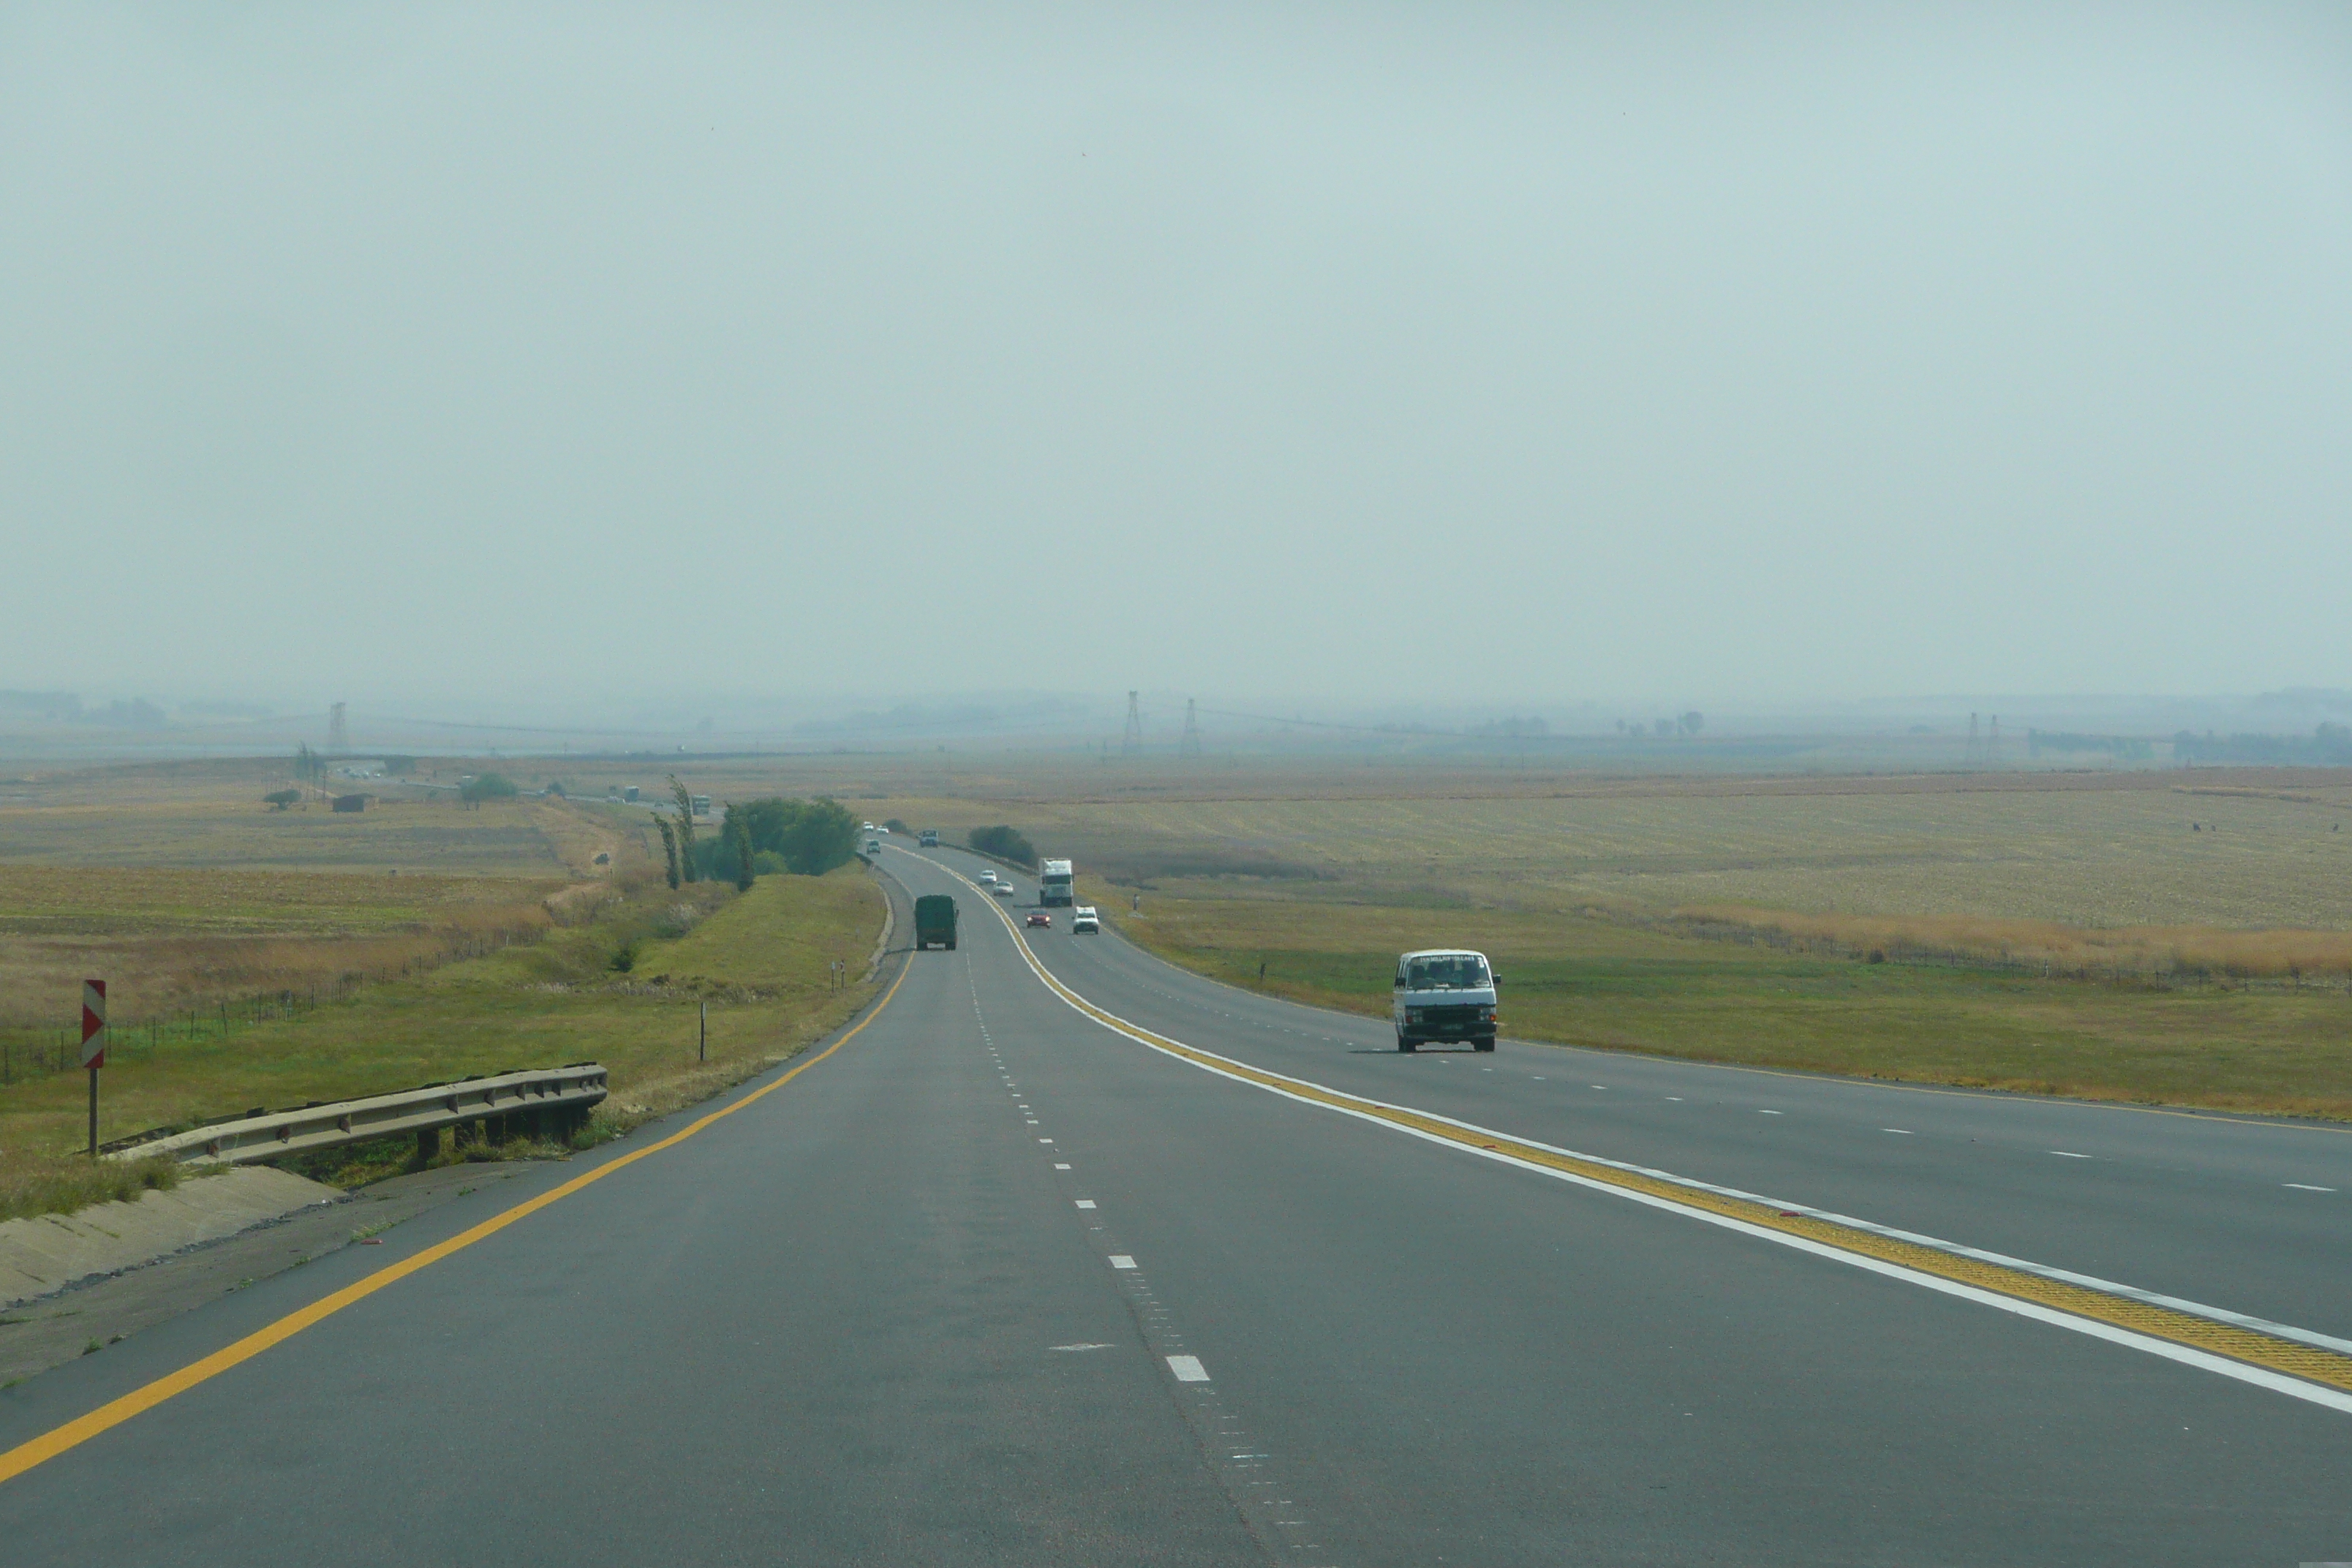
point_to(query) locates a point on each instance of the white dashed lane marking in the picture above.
(2069, 1154)
(2307, 1187)
(1086, 1203)
(1121, 1260)
(1188, 1369)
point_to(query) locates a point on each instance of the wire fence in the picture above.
(27, 1053)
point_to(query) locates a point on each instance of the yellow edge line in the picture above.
(51, 1444)
(2311, 1363)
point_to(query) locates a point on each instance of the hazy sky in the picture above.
(1720, 352)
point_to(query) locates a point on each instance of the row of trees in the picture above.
(2329, 745)
(771, 836)
(1689, 723)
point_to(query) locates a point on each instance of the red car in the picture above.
(1040, 918)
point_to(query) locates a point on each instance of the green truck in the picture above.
(935, 921)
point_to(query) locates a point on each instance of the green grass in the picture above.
(758, 962)
(1596, 983)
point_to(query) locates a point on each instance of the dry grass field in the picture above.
(210, 814)
(257, 956)
(761, 962)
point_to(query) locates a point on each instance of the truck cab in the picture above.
(1444, 994)
(1054, 884)
(931, 839)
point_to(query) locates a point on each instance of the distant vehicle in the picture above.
(874, 847)
(931, 839)
(987, 875)
(702, 806)
(1054, 883)
(882, 832)
(1040, 918)
(1083, 922)
(1002, 890)
(628, 792)
(1444, 994)
(935, 921)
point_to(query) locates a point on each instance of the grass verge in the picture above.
(628, 986)
(1586, 982)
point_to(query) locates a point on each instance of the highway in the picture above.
(996, 1282)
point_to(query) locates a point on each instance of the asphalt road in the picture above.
(995, 1284)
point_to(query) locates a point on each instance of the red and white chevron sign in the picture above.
(93, 1024)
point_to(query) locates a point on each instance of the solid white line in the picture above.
(1121, 1260)
(1188, 1369)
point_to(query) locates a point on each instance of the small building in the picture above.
(351, 803)
(630, 793)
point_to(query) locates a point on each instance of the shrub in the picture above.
(487, 786)
(1004, 843)
(282, 798)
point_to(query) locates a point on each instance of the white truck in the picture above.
(1054, 883)
(1444, 994)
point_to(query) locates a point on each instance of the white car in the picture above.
(987, 875)
(1083, 922)
(1002, 890)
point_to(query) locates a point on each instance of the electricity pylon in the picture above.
(1190, 746)
(1130, 740)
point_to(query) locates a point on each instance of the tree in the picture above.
(487, 786)
(1691, 723)
(282, 798)
(669, 847)
(739, 838)
(679, 792)
(810, 836)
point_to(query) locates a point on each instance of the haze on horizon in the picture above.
(1411, 352)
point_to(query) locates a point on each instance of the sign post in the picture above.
(93, 1046)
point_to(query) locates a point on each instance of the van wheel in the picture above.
(1403, 1044)
(1487, 1043)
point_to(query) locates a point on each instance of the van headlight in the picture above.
(1412, 1015)
(1485, 1015)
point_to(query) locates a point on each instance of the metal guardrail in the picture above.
(548, 1102)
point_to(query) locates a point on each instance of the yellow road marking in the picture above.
(82, 1430)
(2249, 1347)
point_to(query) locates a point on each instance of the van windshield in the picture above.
(1447, 972)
